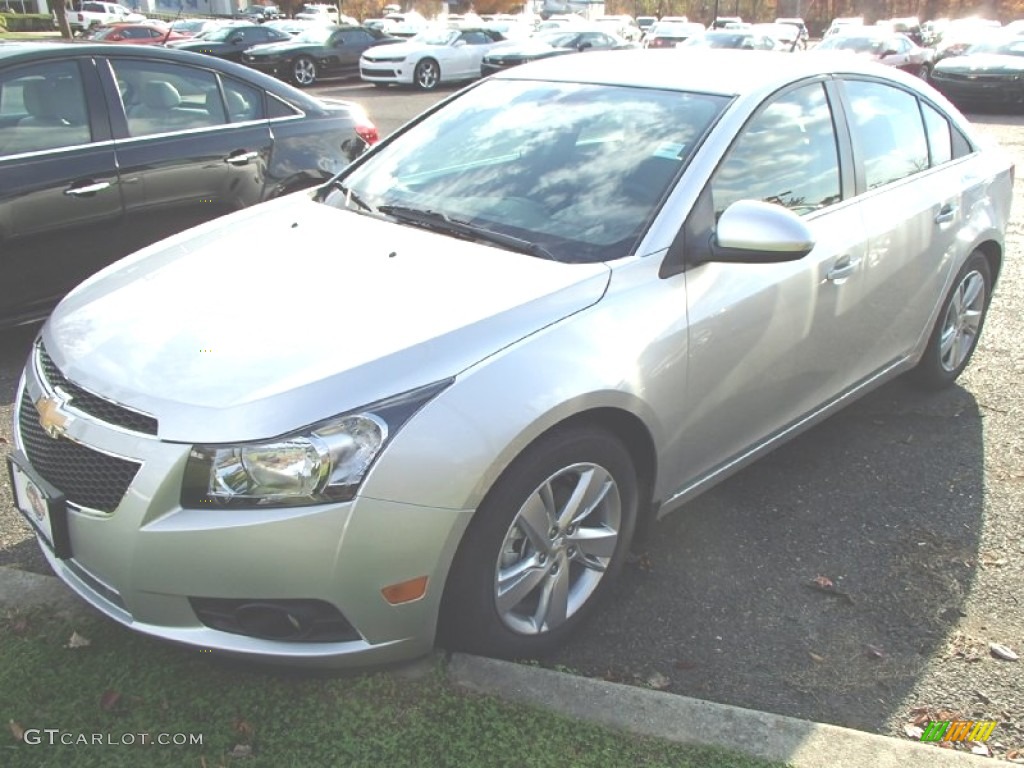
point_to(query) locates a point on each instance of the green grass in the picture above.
(124, 684)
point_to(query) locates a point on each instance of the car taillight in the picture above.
(366, 130)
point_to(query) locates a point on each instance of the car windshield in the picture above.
(856, 43)
(315, 35)
(437, 36)
(557, 39)
(576, 170)
(220, 34)
(716, 40)
(1011, 47)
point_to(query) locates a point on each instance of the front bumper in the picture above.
(386, 72)
(979, 89)
(145, 561)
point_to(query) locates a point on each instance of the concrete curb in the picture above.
(800, 743)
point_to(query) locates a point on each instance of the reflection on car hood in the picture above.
(285, 46)
(401, 49)
(990, 63)
(529, 48)
(292, 311)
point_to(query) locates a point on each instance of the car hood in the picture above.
(990, 63)
(283, 47)
(402, 49)
(290, 312)
(529, 49)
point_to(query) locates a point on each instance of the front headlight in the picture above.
(325, 462)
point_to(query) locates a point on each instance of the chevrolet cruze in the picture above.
(433, 399)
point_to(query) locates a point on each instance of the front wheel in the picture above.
(544, 546)
(956, 332)
(304, 72)
(427, 75)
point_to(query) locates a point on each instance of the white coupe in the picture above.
(434, 56)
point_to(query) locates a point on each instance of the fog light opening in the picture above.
(271, 622)
(405, 591)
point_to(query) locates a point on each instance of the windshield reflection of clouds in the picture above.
(579, 169)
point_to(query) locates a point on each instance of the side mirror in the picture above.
(754, 232)
(236, 39)
(459, 43)
(889, 52)
(584, 46)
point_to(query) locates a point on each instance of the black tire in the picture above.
(958, 327)
(427, 75)
(578, 555)
(304, 72)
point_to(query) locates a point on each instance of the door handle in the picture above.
(842, 269)
(946, 214)
(241, 158)
(87, 189)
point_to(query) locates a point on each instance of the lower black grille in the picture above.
(93, 405)
(86, 477)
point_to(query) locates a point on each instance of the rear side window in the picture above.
(888, 132)
(940, 137)
(164, 98)
(42, 106)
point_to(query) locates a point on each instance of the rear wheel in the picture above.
(544, 546)
(956, 332)
(427, 75)
(304, 72)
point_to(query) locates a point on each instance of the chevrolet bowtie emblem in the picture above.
(51, 418)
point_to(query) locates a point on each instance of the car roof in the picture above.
(725, 72)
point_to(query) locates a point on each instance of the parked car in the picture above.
(989, 75)
(136, 34)
(319, 52)
(878, 44)
(546, 44)
(786, 36)
(740, 39)
(107, 148)
(320, 12)
(803, 36)
(437, 397)
(231, 41)
(91, 14)
(259, 13)
(195, 27)
(435, 56)
(667, 34)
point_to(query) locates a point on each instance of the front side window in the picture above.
(786, 154)
(577, 169)
(888, 133)
(42, 106)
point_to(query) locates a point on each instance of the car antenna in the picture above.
(170, 27)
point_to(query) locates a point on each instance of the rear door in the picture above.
(191, 144)
(60, 200)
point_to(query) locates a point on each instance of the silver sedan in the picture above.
(434, 399)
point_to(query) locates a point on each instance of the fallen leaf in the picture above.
(816, 657)
(823, 582)
(243, 727)
(77, 641)
(16, 730)
(1013, 754)
(914, 732)
(109, 700)
(658, 682)
(874, 651)
(1002, 652)
(240, 751)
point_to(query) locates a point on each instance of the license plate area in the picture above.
(42, 505)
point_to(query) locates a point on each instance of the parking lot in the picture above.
(910, 507)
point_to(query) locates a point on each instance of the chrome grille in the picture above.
(86, 477)
(94, 405)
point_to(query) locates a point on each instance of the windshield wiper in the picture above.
(350, 195)
(442, 222)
